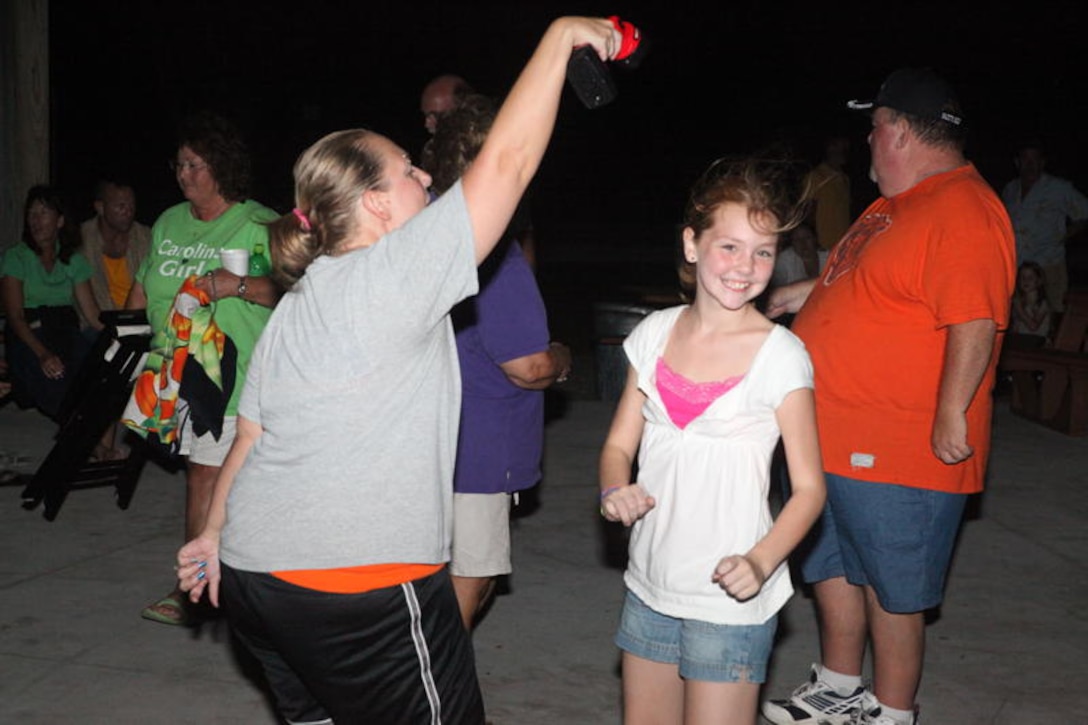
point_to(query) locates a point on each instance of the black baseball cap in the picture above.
(919, 92)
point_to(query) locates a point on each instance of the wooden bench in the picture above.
(1050, 383)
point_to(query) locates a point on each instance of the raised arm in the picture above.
(517, 140)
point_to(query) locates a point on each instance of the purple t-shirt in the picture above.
(502, 426)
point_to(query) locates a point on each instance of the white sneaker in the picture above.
(874, 717)
(817, 703)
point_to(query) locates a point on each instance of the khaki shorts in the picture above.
(205, 449)
(481, 535)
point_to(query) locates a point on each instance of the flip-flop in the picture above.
(157, 612)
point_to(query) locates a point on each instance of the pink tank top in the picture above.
(686, 400)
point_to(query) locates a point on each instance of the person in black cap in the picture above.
(903, 329)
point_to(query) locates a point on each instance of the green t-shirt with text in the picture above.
(182, 245)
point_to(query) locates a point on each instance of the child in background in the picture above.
(799, 257)
(710, 389)
(1031, 313)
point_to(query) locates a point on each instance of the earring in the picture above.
(691, 259)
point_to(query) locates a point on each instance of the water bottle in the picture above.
(259, 265)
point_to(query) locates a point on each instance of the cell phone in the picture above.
(589, 78)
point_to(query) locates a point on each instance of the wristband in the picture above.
(609, 491)
(630, 37)
(242, 287)
(210, 274)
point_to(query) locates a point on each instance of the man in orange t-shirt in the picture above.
(904, 329)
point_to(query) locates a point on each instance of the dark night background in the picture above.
(724, 79)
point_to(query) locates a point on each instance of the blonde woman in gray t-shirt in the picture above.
(329, 529)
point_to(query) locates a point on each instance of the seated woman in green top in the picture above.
(41, 280)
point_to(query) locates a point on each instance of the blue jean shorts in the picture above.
(704, 651)
(896, 539)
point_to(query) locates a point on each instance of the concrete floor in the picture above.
(1010, 644)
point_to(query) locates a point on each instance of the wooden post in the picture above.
(24, 108)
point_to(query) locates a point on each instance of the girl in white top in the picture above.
(711, 387)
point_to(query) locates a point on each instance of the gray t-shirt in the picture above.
(355, 385)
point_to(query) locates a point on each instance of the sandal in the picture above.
(103, 454)
(171, 609)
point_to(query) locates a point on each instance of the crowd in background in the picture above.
(242, 360)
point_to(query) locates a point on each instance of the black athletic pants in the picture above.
(397, 655)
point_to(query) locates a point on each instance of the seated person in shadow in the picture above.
(113, 242)
(1032, 314)
(799, 258)
(115, 245)
(42, 281)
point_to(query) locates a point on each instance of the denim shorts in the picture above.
(704, 651)
(896, 539)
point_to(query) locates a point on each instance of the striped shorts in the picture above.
(394, 655)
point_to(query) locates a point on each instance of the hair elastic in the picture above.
(301, 218)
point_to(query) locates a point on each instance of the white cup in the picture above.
(235, 261)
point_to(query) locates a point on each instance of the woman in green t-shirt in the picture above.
(42, 280)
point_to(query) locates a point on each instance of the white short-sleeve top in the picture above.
(710, 481)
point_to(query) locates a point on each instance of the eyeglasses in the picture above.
(177, 166)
